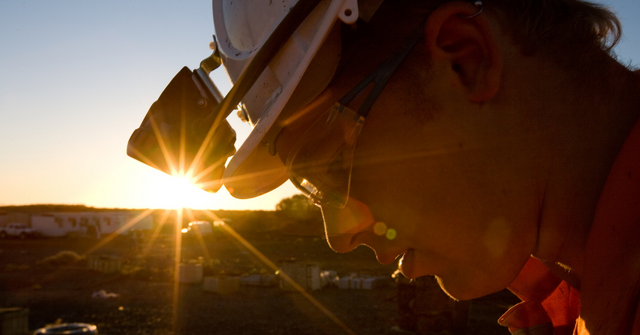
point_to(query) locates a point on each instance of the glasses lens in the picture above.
(320, 163)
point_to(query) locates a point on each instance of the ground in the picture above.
(148, 302)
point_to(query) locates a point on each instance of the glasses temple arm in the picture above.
(382, 74)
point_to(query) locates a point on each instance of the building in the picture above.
(87, 224)
(14, 217)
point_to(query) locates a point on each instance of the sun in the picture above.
(179, 191)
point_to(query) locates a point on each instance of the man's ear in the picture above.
(466, 47)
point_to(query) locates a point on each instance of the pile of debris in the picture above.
(292, 276)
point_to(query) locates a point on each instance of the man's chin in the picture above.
(407, 265)
(461, 289)
(414, 263)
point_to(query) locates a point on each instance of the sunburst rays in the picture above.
(282, 275)
(180, 216)
(176, 263)
(194, 174)
(118, 232)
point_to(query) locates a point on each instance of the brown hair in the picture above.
(545, 25)
(536, 24)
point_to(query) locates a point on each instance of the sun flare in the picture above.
(179, 191)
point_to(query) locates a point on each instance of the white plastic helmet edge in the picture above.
(272, 173)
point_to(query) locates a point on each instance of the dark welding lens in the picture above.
(166, 141)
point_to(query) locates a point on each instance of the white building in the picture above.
(14, 217)
(89, 224)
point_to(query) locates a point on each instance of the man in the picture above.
(486, 148)
(497, 147)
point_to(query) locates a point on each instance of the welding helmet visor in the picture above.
(304, 59)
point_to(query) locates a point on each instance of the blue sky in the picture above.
(77, 77)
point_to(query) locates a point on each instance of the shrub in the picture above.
(62, 258)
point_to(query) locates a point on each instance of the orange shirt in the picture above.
(610, 285)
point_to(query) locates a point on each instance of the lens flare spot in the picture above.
(391, 234)
(380, 228)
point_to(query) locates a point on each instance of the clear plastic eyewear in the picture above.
(321, 162)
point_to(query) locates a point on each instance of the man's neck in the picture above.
(587, 131)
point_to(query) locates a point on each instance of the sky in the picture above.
(77, 77)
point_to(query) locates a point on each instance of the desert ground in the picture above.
(59, 287)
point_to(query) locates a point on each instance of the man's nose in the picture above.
(342, 224)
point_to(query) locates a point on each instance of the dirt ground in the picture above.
(148, 302)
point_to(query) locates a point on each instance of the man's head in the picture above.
(450, 166)
(562, 30)
(538, 26)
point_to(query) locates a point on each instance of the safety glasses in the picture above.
(321, 162)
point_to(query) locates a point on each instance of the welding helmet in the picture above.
(308, 41)
(279, 55)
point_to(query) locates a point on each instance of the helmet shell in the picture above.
(300, 70)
